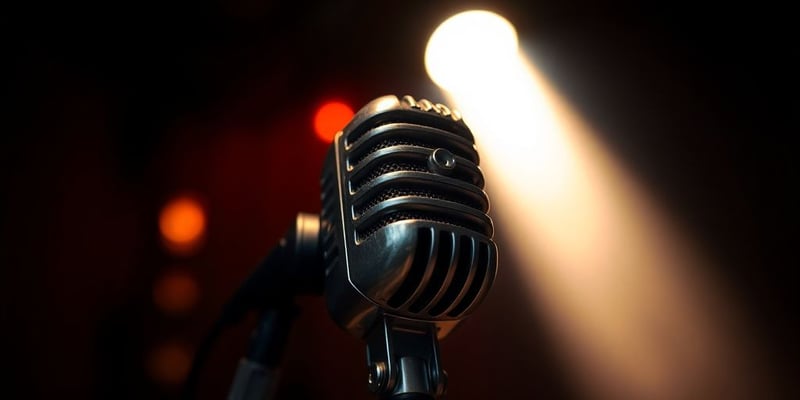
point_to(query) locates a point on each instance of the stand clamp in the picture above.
(403, 360)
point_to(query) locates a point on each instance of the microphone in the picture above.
(402, 252)
(406, 239)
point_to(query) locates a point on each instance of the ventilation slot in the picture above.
(462, 222)
(444, 260)
(404, 134)
(417, 270)
(412, 162)
(330, 249)
(389, 143)
(422, 191)
(477, 282)
(329, 197)
(328, 213)
(459, 277)
(410, 165)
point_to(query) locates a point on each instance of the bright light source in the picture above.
(622, 289)
(331, 118)
(182, 223)
(473, 43)
(474, 56)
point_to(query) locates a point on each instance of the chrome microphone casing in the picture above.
(404, 224)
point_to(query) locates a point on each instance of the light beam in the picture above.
(622, 289)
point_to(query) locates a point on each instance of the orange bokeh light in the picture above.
(182, 224)
(169, 363)
(176, 292)
(330, 119)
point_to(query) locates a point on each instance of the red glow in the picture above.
(330, 119)
(182, 223)
(169, 363)
(176, 292)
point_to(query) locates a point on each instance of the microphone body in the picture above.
(406, 239)
(402, 252)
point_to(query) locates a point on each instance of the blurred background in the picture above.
(155, 151)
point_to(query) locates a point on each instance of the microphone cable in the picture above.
(292, 267)
(265, 287)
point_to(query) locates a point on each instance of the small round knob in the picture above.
(442, 161)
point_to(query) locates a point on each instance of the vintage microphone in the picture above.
(407, 242)
(402, 251)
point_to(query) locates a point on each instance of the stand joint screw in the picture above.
(376, 376)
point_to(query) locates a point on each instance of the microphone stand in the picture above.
(293, 267)
(402, 355)
(256, 376)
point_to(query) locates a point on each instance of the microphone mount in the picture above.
(403, 360)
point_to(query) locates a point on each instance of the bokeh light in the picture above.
(182, 223)
(330, 119)
(169, 363)
(176, 292)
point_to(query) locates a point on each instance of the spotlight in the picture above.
(620, 286)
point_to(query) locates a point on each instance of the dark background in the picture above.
(111, 108)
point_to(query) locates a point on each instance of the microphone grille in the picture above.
(392, 173)
(463, 269)
(405, 226)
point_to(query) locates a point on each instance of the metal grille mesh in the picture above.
(390, 167)
(404, 215)
(429, 193)
(389, 143)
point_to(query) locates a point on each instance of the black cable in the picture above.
(264, 287)
(200, 357)
(294, 266)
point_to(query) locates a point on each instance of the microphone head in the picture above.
(404, 224)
